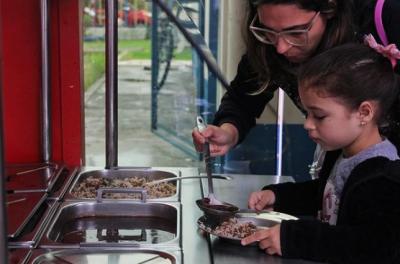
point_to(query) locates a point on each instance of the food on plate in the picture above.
(233, 228)
(87, 188)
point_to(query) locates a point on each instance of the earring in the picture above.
(363, 123)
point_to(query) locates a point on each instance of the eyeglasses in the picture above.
(295, 37)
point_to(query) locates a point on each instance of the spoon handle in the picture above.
(207, 159)
(188, 177)
(201, 126)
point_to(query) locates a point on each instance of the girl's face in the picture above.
(332, 124)
(280, 17)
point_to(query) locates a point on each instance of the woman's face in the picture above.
(280, 17)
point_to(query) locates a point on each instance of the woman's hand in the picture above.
(221, 138)
(269, 240)
(261, 200)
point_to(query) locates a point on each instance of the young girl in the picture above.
(347, 92)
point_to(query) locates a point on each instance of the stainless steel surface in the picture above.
(19, 214)
(45, 89)
(63, 183)
(238, 190)
(188, 177)
(111, 84)
(141, 191)
(83, 224)
(211, 249)
(34, 177)
(150, 174)
(104, 255)
(30, 235)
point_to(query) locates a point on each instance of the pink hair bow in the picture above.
(390, 51)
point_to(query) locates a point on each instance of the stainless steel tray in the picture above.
(63, 183)
(20, 209)
(86, 224)
(103, 175)
(31, 233)
(42, 176)
(106, 255)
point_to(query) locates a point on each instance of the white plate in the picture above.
(268, 215)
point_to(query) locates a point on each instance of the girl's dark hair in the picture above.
(339, 29)
(356, 73)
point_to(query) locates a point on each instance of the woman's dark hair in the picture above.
(339, 29)
(356, 73)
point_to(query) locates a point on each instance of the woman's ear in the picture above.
(367, 111)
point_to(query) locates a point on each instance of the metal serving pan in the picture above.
(29, 236)
(105, 255)
(118, 176)
(20, 209)
(86, 224)
(63, 183)
(42, 176)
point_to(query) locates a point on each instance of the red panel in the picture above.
(21, 73)
(71, 85)
(56, 112)
(20, 21)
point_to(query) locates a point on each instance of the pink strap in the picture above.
(378, 22)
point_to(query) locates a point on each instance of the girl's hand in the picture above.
(261, 200)
(221, 139)
(269, 240)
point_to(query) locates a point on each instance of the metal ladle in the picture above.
(201, 126)
(187, 177)
(213, 208)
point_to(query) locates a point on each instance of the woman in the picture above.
(282, 34)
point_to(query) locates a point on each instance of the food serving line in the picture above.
(64, 228)
(61, 214)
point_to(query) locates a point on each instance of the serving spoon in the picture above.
(201, 126)
(187, 177)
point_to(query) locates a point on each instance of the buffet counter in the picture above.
(199, 247)
(82, 227)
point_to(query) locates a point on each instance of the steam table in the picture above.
(200, 248)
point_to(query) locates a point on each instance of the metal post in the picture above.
(154, 61)
(279, 131)
(111, 84)
(3, 211)
(45, 104)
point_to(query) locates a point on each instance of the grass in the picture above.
(94, 56)
(94, 67)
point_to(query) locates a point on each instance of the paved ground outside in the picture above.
(137, 144)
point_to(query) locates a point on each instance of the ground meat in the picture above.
(87, 188)
(234, 229)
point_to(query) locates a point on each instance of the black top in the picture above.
(241, 109)
(368, 223)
